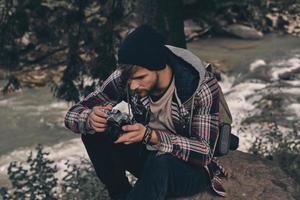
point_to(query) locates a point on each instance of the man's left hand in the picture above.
(132, 134)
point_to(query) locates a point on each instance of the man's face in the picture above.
(143, 81)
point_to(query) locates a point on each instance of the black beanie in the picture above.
(144, 47)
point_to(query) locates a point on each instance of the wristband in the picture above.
(147, 135)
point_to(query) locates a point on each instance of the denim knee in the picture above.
(158, 162)
(154, 179)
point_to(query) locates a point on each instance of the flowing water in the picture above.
(262, 85)
(262, 82)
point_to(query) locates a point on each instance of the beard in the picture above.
(153, 88)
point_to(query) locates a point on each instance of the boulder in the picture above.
(244, 32)
(287, 76)
(192, 29)
(253, 178)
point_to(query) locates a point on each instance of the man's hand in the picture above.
(132, 134)
(97, 118)
(135, 133)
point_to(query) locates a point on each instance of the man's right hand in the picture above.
(97, 118)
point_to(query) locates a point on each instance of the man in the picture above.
(175, 104)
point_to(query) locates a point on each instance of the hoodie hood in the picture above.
(188, 69)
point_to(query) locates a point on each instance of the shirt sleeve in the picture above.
(110, 92)
(199, 148)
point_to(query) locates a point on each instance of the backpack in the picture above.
(226, 140)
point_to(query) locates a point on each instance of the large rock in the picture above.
(244, 32)
(193, 30)
(254, 178)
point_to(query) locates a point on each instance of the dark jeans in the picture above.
(158, 176)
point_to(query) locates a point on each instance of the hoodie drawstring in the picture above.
(191, 116)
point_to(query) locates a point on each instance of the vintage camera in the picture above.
(115, 120)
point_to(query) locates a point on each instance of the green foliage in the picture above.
(282, 150)
(36, 179)
(78, 34)
(4, 194)
(16, 19)
(89, 25)
(286, 154)
(278, 129)
(82, 183)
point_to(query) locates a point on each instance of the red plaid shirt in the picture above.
(196, 147)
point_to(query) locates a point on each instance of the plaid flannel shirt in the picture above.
(196, 147)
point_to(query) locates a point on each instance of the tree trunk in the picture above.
(166, 16)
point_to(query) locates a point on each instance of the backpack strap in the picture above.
(225, 115)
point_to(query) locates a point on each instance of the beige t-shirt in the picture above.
(160, 111)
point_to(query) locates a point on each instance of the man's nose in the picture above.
(133, 85)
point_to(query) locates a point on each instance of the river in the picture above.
(262, 84)
(253, 70)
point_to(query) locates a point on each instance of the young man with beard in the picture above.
(175, 104)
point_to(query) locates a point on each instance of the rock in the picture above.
(294, 26)
(244, 32)
(193, 30)
(277, 21)
(253, 178)
(12, 85)
(34, 78)
(39, 76)
(220, 66)
(287, 76)
(27, 38)
(290, 75)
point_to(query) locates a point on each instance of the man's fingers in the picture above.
(128, 137)
(97, 124)
(98, 112)
(134, 139)
(98, 119)
(129, 128)
(109, 107)
(98, 129)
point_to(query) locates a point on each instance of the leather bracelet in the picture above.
(147, 135)
(143, 139)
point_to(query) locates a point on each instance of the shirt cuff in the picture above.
(165, 143)
(87, 129)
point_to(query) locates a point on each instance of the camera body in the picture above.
(115, 120)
